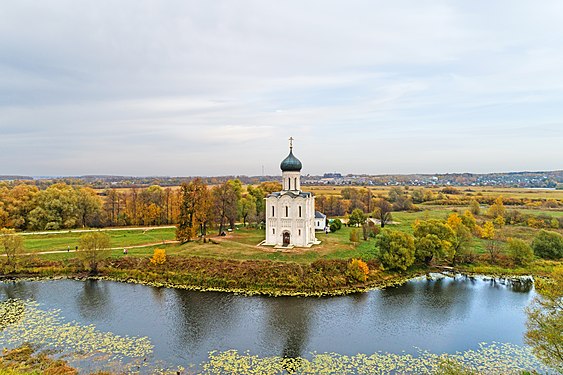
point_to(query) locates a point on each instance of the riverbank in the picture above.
(258, 277)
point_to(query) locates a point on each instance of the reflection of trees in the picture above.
(288, 323)
(94, 301)
(203, 316)
(19, 290)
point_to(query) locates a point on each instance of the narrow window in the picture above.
(295, 183)
(299, 211)
(289, 182)
(286, 211)
(299, 231)
(273, 211)
(273, 230)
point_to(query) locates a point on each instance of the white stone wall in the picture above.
(283, 214)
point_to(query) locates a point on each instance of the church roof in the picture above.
(319, 215)
(292, 194)
(291, 163)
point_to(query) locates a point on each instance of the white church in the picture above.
(290, 213)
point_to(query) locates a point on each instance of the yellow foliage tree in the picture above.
(159, 257)
(499, 221)
(497, 209)
(358, 269)
(488, 231)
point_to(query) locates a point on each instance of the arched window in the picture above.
(299, 231)
(273, 230)
(295, 183)
(289, 182)
(299, 211)
(273, 211)
(286, 211)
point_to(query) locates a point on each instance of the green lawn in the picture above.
(118, 238)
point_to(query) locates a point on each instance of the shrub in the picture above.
(548, 245)
(333, 227)
(159, 257)
(355, 236)
(338, 223)
(358, 270)
(520, 251)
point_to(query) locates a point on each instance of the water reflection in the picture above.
(94, 301)
(287, 325)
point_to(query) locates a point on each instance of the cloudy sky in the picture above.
(216, 87)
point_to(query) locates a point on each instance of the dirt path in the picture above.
(166, 242)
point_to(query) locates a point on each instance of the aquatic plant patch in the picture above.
(494, 358)
(24, 321)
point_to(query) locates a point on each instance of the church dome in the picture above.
(291, 163)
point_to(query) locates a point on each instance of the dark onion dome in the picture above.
(291, 163)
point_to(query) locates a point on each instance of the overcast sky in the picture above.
(217, 87)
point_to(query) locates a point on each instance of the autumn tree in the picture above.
(488, 232)
(461, 238)
(396, 249)
(497, 209)
(92, 249)
(545, 320)
(195, 210)
(225, 203)
(113, 205)
(382, 211)
(11, 245)
(474, 207)
(89, 206)
(159, 257)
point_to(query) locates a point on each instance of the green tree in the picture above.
(545, 320)
(548, 245)
(433, 240)
(92, 249)
(357, 217)
(520, 251)
(396, 249)
(11, 245)
(258, 194)
(57, 207)
(247, 208)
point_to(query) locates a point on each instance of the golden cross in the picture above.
(290, 143)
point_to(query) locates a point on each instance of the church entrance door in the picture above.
(286, 239)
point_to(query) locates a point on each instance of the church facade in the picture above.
(290, 213)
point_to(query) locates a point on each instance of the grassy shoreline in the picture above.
(259, 277)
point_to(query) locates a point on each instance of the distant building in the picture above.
(290, 213)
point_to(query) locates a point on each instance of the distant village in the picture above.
(547, 179)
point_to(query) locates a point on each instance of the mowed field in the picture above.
(243, 242)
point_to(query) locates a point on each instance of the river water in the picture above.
(440, 315)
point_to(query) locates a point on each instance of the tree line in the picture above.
(64, 206)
